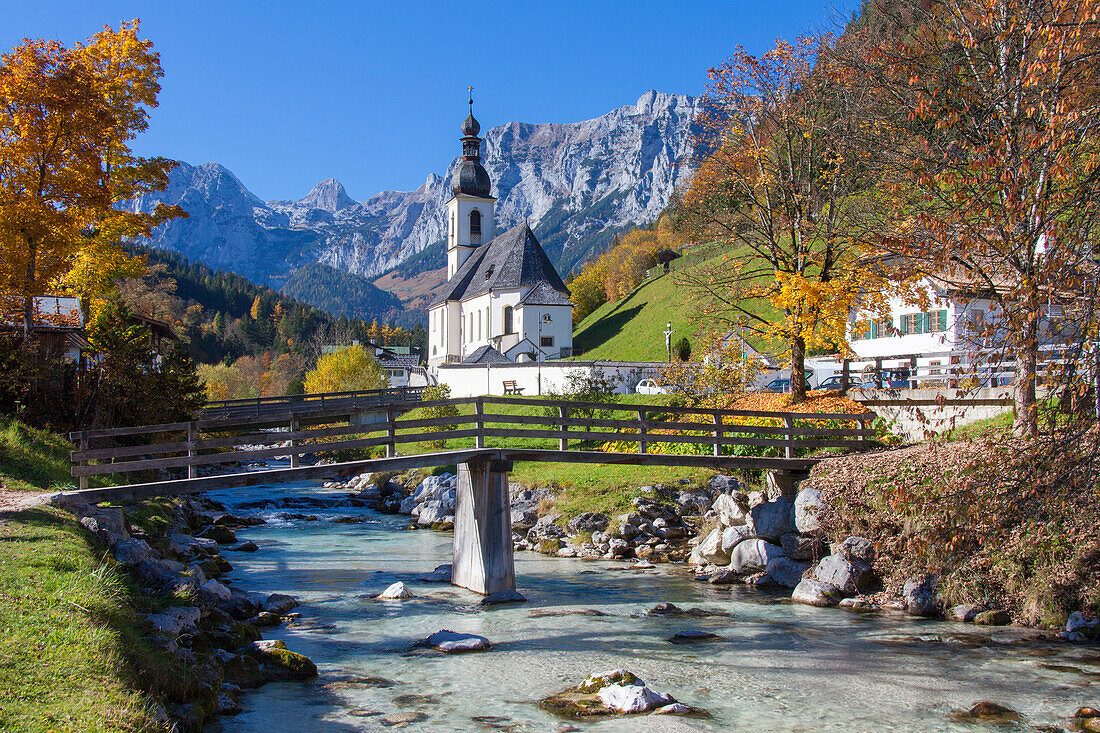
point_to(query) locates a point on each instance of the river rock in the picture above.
(589, 522)
(998, 617)
(175, 620)
(246, 546)
(965, 611)
(733, 536)
(676, 708)
(441, 574)
(216, 590)
(219, 533)
(451, 642)
(629, 699)
(752, 556)
(503, 596)
(783, 571)
(1079, 623)
(524, 518)
(397, 591)
(857, 549)
(846, 575)
(407, 505)
(277, 663)
(813, 592)
(185, 544)
(858, 604)
(920, 596)
(988, 712)
(806, 506)
(693, 636)
(133, 552)
(771, 520)
(279, 603)
(802, 546)
(729, 512)
(710, 549)
(158, 573)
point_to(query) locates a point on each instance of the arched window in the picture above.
(479, 325)
(475, 226)
(508, 319)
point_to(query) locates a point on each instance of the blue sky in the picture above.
(287, 94)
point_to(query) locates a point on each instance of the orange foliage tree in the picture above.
(988, 125)
(775, 195)
(67, 118)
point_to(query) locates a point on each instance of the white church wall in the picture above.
(560, 327)
(536, 378)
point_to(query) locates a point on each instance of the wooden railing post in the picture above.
(563, 412)
(479, 424)
(294, 459)
(862, 422)
(82, 481)
(641, 431)
(788, 420)
(391, 447)
(718, 434)
(192, 436)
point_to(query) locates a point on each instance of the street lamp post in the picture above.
(543, 318)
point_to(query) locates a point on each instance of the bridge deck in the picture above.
(705, 438)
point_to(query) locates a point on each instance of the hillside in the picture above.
(341, 293)
(632, 328)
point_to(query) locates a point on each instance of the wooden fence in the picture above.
(257, 407)
(573, 427)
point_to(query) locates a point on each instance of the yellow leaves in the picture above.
(345, 370)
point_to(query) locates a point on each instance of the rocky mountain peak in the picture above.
(328, 195)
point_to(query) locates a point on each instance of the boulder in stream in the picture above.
(396, 592)
(451, 642)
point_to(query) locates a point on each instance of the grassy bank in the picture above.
(72, 658)
(1005, 523)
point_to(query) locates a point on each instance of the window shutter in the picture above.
(942, 325)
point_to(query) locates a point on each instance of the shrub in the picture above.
(431, 394)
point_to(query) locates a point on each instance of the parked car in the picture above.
(777, 385)
(833, 383)
(890, 380)
(650, 386)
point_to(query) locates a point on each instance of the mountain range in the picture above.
(578, 185)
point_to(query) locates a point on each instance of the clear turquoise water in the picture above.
(778, 667)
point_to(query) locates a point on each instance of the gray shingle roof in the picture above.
(486, 355)
(544, 294)
(514, 259)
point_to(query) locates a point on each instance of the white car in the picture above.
(650, 386)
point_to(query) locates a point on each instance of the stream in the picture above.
(777, 666)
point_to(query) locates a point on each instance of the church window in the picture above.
(479, 325)
(508, 327)
(475, 226)
(452, 227)
(546, 341)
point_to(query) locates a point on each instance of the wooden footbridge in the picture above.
(231, 443)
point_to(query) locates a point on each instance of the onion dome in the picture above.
(471, 178)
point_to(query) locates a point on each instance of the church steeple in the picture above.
(471, 179)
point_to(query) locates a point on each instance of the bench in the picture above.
(511, 388)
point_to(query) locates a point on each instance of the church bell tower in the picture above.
(470, 209)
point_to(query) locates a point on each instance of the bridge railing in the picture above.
(259, 406)
(560, 430)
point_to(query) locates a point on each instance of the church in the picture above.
(504, 300)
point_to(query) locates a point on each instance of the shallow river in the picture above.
(777, 667)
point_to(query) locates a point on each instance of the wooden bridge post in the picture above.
(641, 431)
(82, 481)
(482, 560)
(563, 412)
(718, 434)
(479, 423)
(294, 458)
(788, 420)
(192, 436)
(391, 432)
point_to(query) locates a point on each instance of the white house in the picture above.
(502, 291)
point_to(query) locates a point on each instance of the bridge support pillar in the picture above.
(483, 528)
(783, 482)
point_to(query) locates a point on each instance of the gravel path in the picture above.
(16, 501)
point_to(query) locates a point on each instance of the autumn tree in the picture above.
(989, 121)
(345, 370)
(67, 119)
(774, 198)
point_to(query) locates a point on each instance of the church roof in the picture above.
(511, 260)
(544, 294)
(486, 355)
